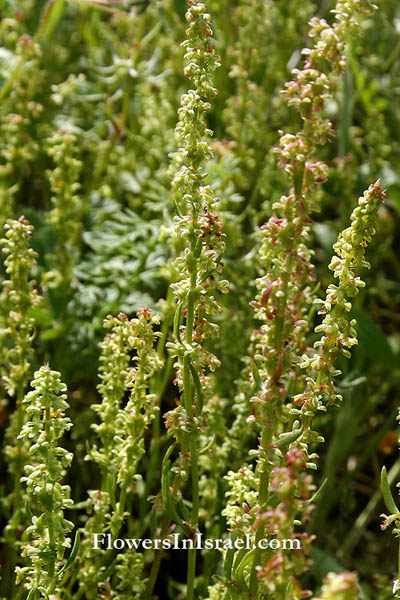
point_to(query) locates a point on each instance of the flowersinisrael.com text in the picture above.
(198, 542)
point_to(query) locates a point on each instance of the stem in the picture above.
(156, 443)
(52, 542)
(346, 115)
(18, 466)
(191, 569)
(266, 440)
(363, 519)
(190, 444)
(156, 440)
(188, 399)
(155, 567)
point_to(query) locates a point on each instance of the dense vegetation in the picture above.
(191, 338)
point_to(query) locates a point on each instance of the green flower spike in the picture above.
(45, 406)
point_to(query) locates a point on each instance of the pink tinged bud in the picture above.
(267, 292)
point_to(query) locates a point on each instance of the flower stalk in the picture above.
(18, 298)
(121, 434)
(45, 406)
(284, 299)
(199, 240)
(339, 333)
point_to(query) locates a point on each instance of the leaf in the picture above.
(372, 339)
(73, 555)
(287, 438)
(165, 489)
(230, 555)
(387, 494)
(55, 15)
(136, 300)
(199, 390)
(315, 496)
(240, 570)
(324, 563)
(54, 333)
(129, 183)
(256, 375)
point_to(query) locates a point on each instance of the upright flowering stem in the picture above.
(338, 331)
(17, 299)
(121, 432)
(284, 296)
(46, 404)
(67, 207)
(113, 372)
(199, 239)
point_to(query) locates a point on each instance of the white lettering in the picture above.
(293, 544)
(133, 543)
(96, 540)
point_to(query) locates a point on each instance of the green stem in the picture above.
(188, 400)
(155, 567)
(17, 494)
(364, 518)
(266, 440)
(52, 541)
(156, 440)
(19, 466)
(346, 114)
(156, 443)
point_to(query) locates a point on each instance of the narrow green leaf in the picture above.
(256, 375)
(73, 555)
(199, 390)
(166, 492)
(372, 340)
(208, 446)
(287, 438)
(177, 322)
(229, 556)
(54, 17)
(248, 557)
(387, 494)
(315, 496)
